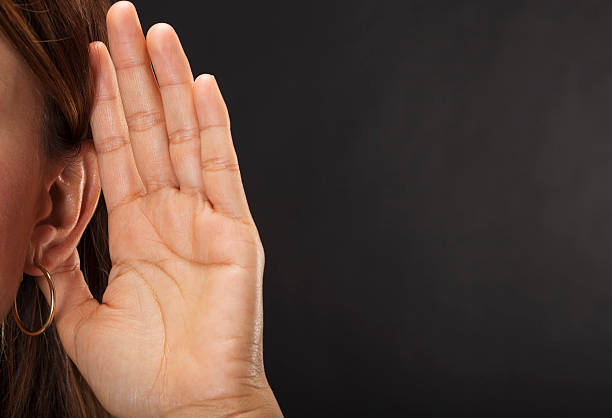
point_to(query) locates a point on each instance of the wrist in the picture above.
(261, 404)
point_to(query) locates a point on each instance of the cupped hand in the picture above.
(179, 329)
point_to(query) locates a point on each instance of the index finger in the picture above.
(118, 173)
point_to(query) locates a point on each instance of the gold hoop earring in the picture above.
(51, 314)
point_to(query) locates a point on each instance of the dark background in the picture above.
(431, 181)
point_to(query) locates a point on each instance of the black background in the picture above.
(431, 182)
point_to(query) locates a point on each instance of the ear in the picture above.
(69, 198)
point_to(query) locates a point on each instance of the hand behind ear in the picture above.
(179, 331)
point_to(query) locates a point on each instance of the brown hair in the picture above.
(37, 377)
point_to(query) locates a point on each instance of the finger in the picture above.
(118, 173)
(175, 83)
(140, 96)
(73, 301)
(220, 171)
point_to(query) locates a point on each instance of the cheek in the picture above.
(18, 177)
(20, 124)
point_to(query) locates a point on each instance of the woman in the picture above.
(89, 135)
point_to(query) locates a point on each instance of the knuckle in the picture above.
(106, 98)
(221, 126)
(144, 120)
(182, 135)
(128, 64)
(219, 163)
(110, 143)
(154, 185)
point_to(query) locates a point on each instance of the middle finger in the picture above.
(141, 98)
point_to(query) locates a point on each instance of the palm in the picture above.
(179, 292)
(180, 322)
(175, 261)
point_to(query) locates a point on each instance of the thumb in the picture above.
(73, 299)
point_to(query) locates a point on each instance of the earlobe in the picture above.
(70, 202)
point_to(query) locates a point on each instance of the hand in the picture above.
(179, 330)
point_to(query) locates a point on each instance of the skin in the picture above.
(21, 165)
(179, 332)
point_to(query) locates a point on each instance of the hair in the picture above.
(37, 376)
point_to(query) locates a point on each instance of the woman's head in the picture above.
(47, 168)
(49, 188)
